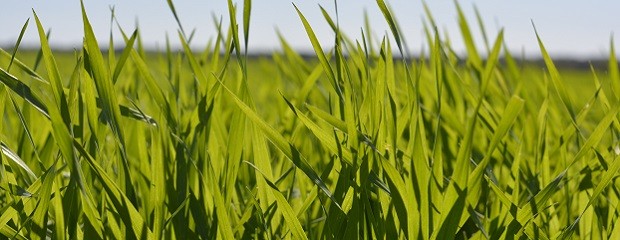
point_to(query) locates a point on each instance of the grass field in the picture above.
(355, 143)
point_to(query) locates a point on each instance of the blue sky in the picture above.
(571, 28)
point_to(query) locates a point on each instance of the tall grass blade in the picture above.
(16, 47)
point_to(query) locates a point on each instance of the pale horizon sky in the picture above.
(569, 28)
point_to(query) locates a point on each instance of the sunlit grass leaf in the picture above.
(556, 79)
(317, 48)
(16, 47)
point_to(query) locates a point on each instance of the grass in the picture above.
(355, 144)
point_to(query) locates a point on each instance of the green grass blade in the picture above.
(176, 16)
(247, 10)
(16, 47)
(510, 115)
(614, 73)
(556, 79)
(472, 52)
(392, 23)
(123, 59)
(40, 215)
(317, 48)
(53, 74)
(23, 91)
(224, 224)
(16, 159)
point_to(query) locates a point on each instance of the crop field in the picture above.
(359, 141)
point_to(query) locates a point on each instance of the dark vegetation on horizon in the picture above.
(562, 62)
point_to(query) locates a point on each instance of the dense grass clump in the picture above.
(354, 144)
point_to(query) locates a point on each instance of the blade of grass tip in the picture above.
(234, 28)
(37, 60)
(281, 143)
(176, 16)
(556, 79)
(19, 40)
(100, 76)
(153, 88)
(247, 10)
(483, 30)
(111, 49)
(614, 74)
(59, 115)
(472, 52)
(110, 107)
(124, 56)
(368, 37)
(429, 16)
(392, 23)
(329, 20)
(318, 49)
(53, 74)
(198, 71)
(599, 90)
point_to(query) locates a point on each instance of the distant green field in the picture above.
(354, 143)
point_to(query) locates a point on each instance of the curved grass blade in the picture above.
(123, 59)
(614, 73)
(16, 47)
(392, 23)
(509, 116)
(176, 16)
(318, 50)
(23, 91)
(59, 115)
(556, 79)
(100, 75)
(247, 10)
(15, 158)
(472, 52)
